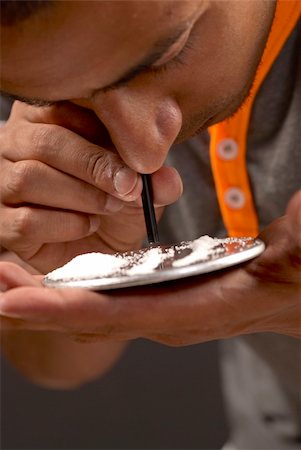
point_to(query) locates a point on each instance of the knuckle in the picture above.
(99, 165)
(18, 107)
(45, 137)
(22, 223)
(7, 135)
(20, 174)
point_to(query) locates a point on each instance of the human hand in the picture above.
(263, 295)
(65, 190)
(53, 360)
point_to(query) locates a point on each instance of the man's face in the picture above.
(154, 72)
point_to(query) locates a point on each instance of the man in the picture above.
(119, 83)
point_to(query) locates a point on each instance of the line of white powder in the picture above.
(96, 265)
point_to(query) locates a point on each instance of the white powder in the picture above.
(89, 265)
(150, 260)
(99, 265)
(200, 250)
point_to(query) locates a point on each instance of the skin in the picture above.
(83, 179)
(74, 151)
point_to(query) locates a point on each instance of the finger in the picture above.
(77, 308)
(275, 234)
(131, 217)
(9, 324)
(13, 324)
(13, 258)
(116, 314)
(70, 153)
(36, 183)
(12, 275)
(167, 186)
(120, 314)
(293, 213)
(75, 118)
(55, 309)
(78, 311)
(285, 232)
(26, 226)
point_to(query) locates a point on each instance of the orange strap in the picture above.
(229, 138)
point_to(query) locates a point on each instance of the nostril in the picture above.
(168, 121)
(142, 126)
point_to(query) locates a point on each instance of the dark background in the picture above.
(156, 397)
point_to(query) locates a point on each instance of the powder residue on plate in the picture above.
(150, 260)
(200, 250)
(156, 264)
(100, 265)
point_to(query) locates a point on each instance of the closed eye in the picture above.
(175, 57)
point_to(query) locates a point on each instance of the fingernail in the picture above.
(113, 204)
(94, 223)
(125, 180)
(9, 315)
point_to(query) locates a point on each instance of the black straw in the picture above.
(149, 211)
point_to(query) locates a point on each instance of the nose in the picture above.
(142, 125)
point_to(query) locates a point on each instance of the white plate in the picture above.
(227, 252)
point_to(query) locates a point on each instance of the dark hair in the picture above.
(15, 11)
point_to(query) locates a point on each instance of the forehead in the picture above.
(72, 41)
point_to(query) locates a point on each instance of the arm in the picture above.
(54, 361)
(263, 295)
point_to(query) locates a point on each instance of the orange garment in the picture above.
(229, 138)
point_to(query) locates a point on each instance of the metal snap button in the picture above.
(235, 198)
(227, 149)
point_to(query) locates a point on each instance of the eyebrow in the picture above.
(158, 50)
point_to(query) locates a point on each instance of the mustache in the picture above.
(218, 111)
